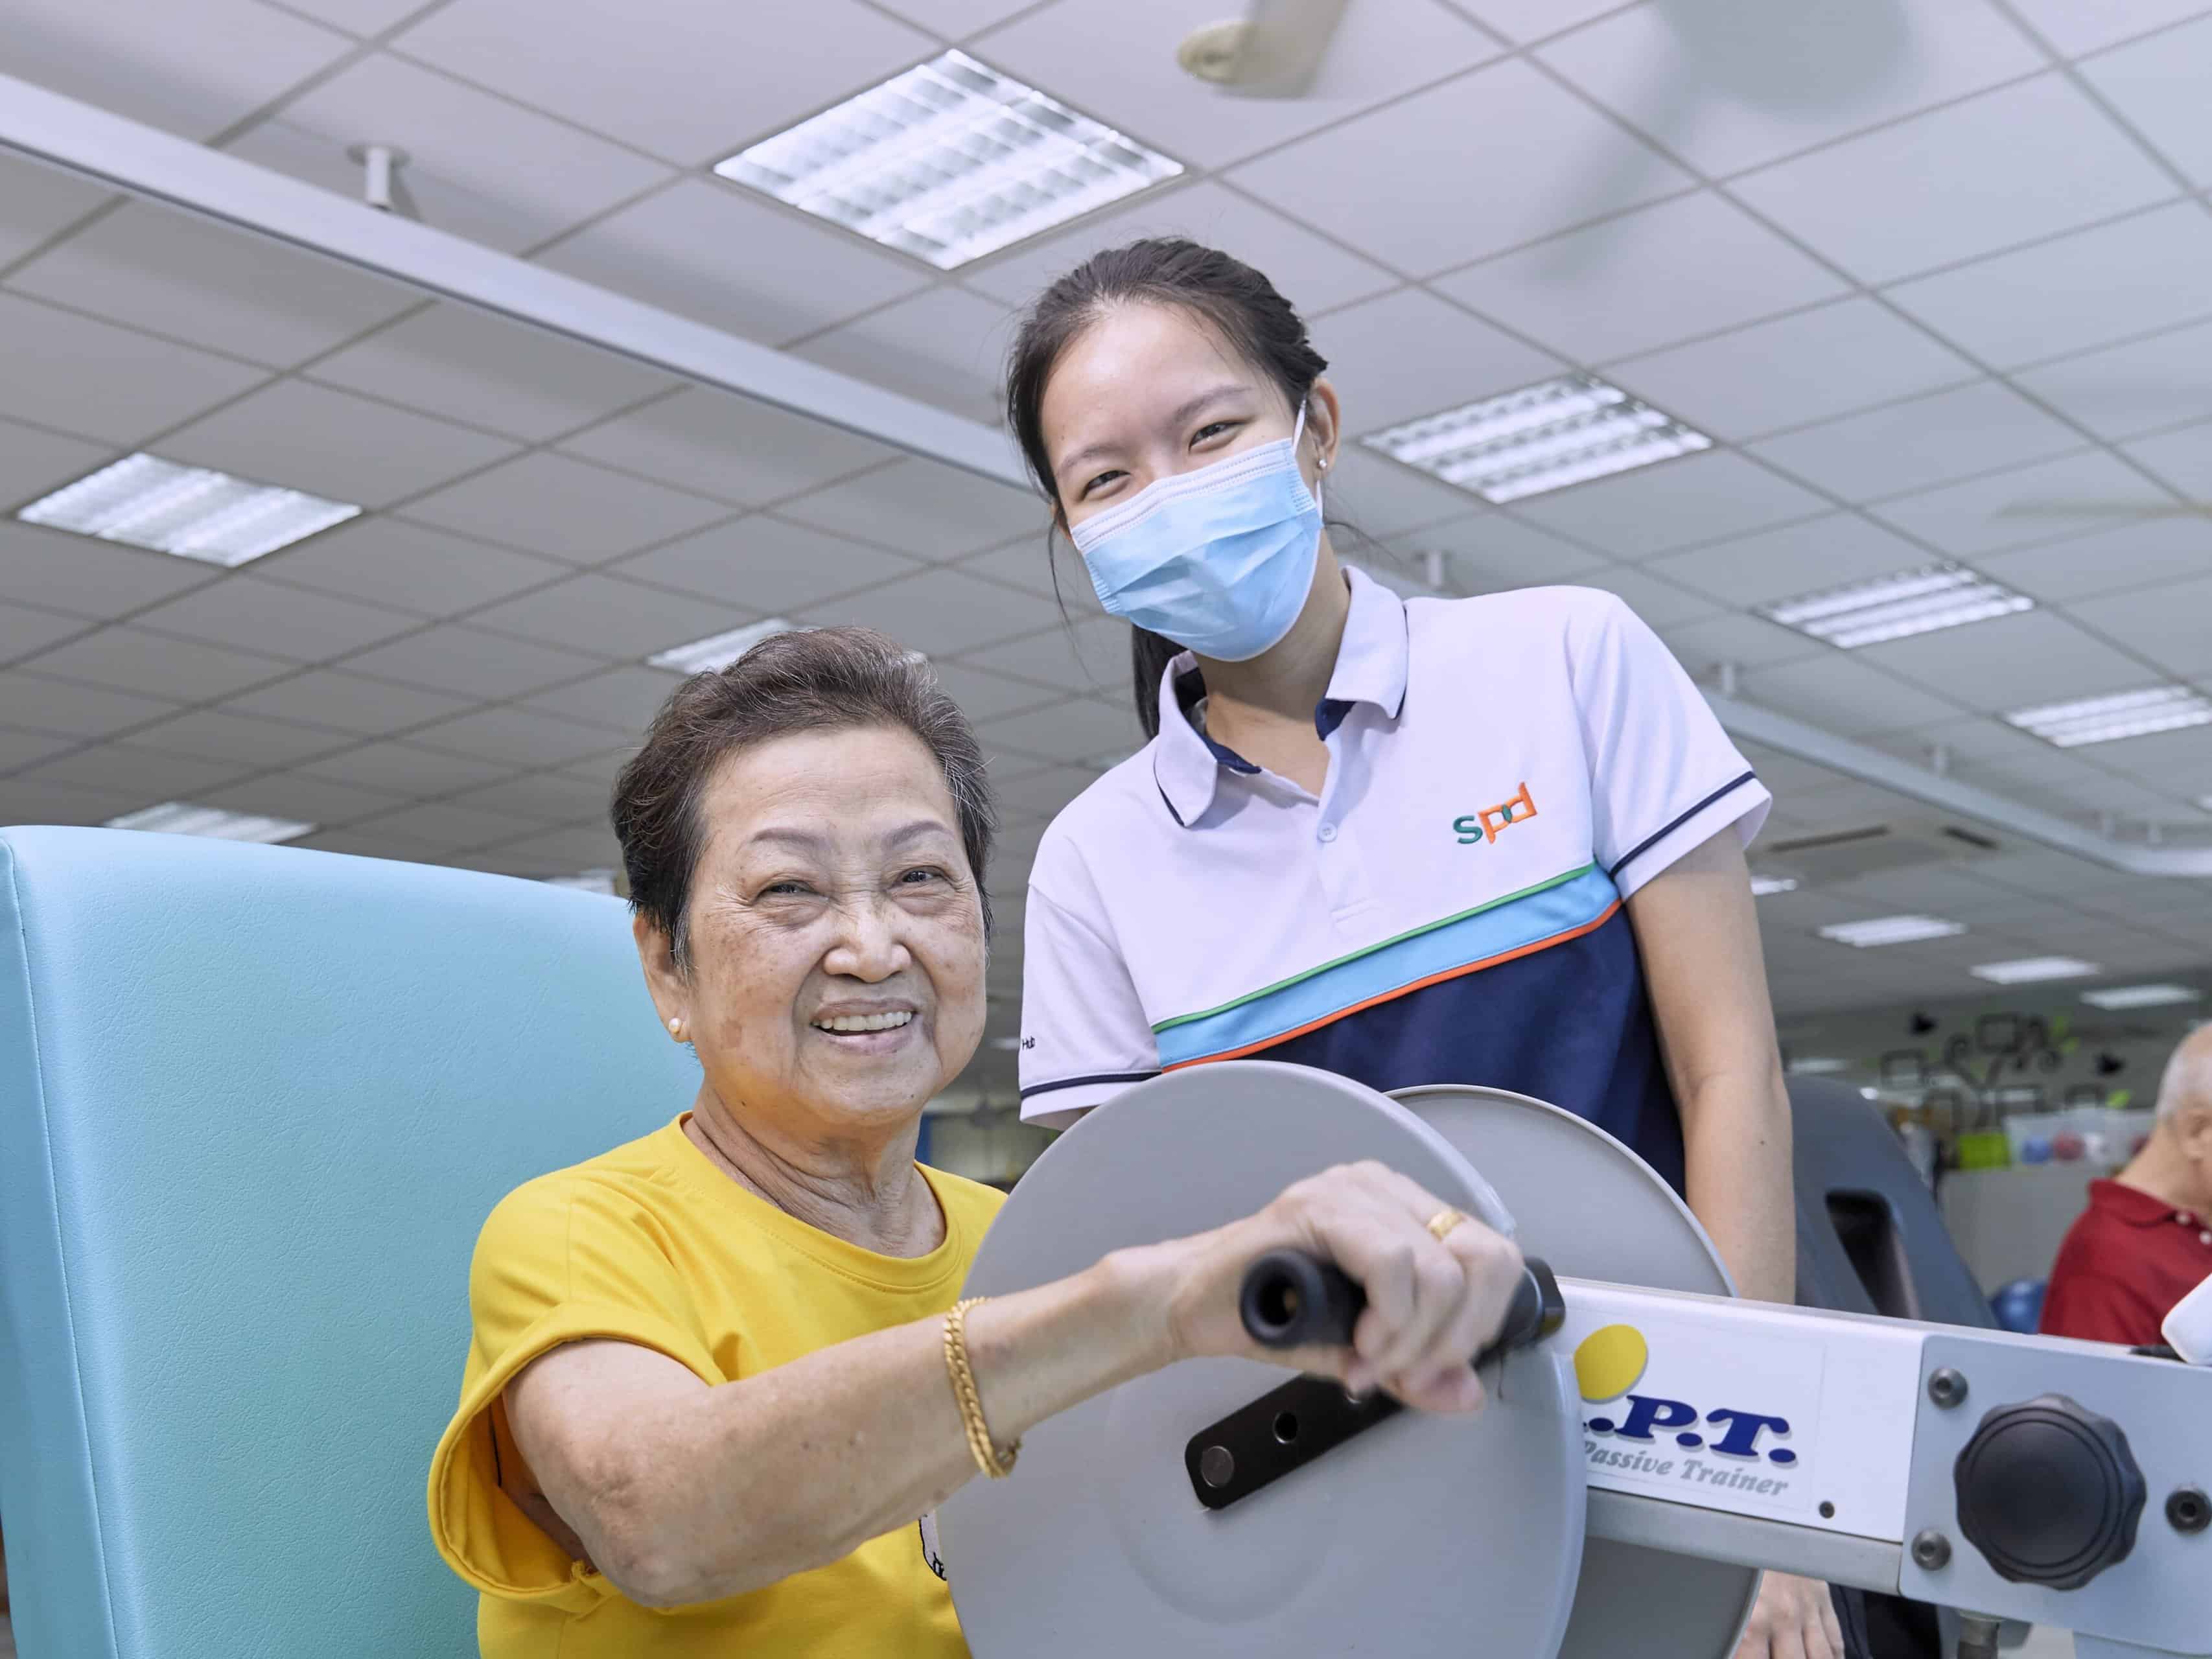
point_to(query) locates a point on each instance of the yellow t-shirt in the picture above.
(653, 1244)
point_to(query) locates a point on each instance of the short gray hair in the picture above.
(2188, 1078)
(819, 679)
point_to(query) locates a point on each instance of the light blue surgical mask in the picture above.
(1219, 560)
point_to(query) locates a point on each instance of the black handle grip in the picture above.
(1291, 1299)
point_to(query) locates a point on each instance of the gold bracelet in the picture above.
(988, 1457)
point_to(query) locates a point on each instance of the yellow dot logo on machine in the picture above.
(1609, 1363)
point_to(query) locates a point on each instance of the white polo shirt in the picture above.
(1503, 773)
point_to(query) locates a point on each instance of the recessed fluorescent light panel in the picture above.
(587, 881)
(1540, 437)
(721, 650)
(949, 162)
(2118, 997)
(2028, 970)
(1890, 930)
(1896, 607)
(186, 510)
(2102, 720)
(1818, 1066)
(177, 818)
(1762, 885)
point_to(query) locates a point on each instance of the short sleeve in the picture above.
(1664, 778)
(1084, 1037)
(561, 1260)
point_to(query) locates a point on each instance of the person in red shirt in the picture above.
(2145, 1241)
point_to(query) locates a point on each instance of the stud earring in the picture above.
(676, 1027)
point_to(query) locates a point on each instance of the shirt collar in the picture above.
(1370, 668)
(2131, 1205)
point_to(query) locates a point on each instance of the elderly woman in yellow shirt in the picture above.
(718, 1373)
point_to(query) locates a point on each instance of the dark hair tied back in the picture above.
(1258, 323)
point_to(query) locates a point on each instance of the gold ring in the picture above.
(1443, 1221)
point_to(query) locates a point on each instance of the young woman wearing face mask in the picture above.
(1495, 841)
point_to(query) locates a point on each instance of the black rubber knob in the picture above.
(2049, 1492)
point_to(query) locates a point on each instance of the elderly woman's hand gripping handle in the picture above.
(682, 1493)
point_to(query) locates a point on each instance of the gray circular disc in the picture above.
(1595, 1210)
(1425, 1534)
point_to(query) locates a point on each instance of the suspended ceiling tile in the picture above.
(706, 250)
(348, 702)
(1460, 359)
(1654, 509)
(1082, 726)
(1489, 552)
(25, 631)
(2165, 623)
(1660, 604)
(351, 844)
(1315, 274)
(923, 509)
(102, 381)
(1846, 697)
(1380, 498)
(24, 802)
(2125, 390)
(1115, 60)
(1702, 645)
(57, 571)
(1802, 558)
(478, 166)
(468, 662)
(942, 612)
(279, 621)
(20, 749)
(37, 201)
(2008, 662)
(406, 769)
(1921, 442)
(601, 767)
(333, 444)
(468, 366)
(1502, 156)
(539, 798)
(441, 824)
(1049, 567)
(944, 346)
(764, 564)
(2109, 561)
(1731, 87)
(1969, 741)
(735, 449)
(362, 17)
(610, 616)
(2086, 288)
(621, 702)
(2024, 162)
(561, 851)
(565, 509)
(1809, 367)
(126, 660)
(1088, 657)
(37, 703)
(171, 273)
(515, 737)
(693, 82)
(247, 739)
(2159, 84)
(1047, 791)
(2182, 459)
(149, 773)
(1525, 21)
(32, 462)
(984, 696)
(409, 567)
(1689, 266)
(1965, 520)
(190, 70)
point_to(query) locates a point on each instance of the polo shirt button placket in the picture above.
(1327, 832)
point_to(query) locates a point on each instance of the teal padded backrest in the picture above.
(254, 1104)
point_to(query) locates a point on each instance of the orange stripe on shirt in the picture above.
(1589, 927)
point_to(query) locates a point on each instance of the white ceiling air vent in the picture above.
(1823, 856)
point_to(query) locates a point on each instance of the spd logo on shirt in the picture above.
(1485, 825)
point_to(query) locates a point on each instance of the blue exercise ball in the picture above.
(2019, 1306)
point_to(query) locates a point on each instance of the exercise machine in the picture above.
(1650, 1442)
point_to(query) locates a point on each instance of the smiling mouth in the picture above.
(846, 1024)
